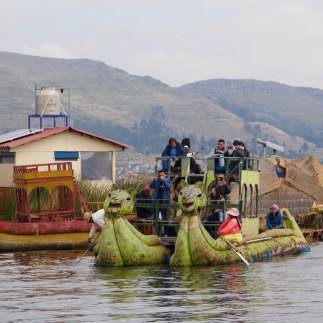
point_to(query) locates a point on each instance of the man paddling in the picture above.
(97, 219)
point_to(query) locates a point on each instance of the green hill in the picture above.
(145, 112)
(296, 110)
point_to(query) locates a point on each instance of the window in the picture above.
(66, 155)
(7, 157)
(96, 165)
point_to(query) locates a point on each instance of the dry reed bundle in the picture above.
(311, 220)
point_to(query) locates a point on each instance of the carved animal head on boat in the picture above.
(117, 203)
(191, 199)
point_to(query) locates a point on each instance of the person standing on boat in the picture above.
(161, 186)
(247, 163)
(237, 152)
(174, 149)
(218, 194)
(274, 219)
(231, 227)
(219, 162)
(194, 166)
(97, 219)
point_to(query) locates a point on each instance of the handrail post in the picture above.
(157, 217)
(257, 201)
(223, 209)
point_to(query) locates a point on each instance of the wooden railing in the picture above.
(43, 167)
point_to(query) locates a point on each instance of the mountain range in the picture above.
(145, 112)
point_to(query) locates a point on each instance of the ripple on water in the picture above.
(51, 286)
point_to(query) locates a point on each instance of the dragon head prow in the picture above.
(191, 199)
(117, 203)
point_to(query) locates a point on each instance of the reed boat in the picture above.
(120, 244)
(194, 245)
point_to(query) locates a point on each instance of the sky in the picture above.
(175, 41)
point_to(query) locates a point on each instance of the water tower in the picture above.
(48, 105)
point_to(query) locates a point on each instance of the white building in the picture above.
(93, 157)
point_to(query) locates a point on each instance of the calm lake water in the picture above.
(50, 287)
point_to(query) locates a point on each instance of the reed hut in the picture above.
(293, 184)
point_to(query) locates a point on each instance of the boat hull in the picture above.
(43, 235)
(194, 246)
(58, 241)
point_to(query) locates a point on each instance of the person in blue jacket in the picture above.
(174, 150)
(274, 219)
(161, 186)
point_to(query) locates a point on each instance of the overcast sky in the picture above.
(175, 41)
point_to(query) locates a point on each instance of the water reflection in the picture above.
(52, 287)
(164, 293)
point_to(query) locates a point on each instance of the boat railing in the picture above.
(174, 217)
(49, 167)
(156, 206)
(233, 169)
(207, 163)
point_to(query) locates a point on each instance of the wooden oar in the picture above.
(88, 249)
(235, 251)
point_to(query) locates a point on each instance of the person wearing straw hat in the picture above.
(274, 219)
(97, 219)
(231, 227)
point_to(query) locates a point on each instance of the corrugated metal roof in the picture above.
(17, 134)
(43, 133)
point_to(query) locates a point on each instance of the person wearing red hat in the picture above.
(231, 227)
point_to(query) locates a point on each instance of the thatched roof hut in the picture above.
(294, 184)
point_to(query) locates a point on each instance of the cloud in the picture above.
(281, 43)
(176, 41)
(163, 65)
(47, 49)
(8, 12)
(180, 67)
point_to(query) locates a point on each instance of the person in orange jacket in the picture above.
(231, 227)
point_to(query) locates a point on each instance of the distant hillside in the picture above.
(298, 111)
(145, 112)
